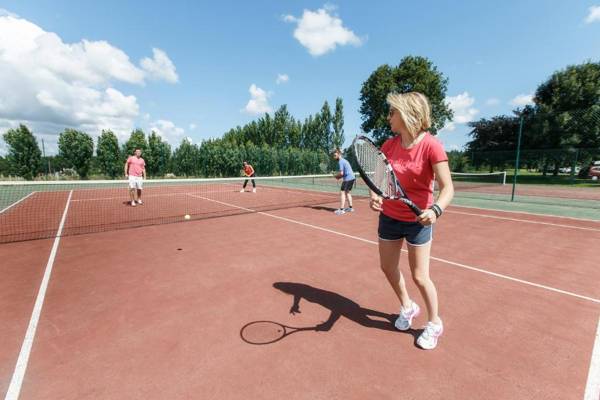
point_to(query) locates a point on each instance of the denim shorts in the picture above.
(415, 233)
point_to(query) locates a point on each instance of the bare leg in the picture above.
(349, 197)
(389, 256)
(133, 194)
(139, 194)
(418, 259)
(342, 200)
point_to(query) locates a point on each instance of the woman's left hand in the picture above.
(427, 218)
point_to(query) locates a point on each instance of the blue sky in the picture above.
(197, 69)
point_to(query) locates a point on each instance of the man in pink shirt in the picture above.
(135, 171)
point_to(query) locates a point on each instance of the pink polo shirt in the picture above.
(135, 166)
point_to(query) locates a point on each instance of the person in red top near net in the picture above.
(417, 158)
(135, 171)
(249, 172)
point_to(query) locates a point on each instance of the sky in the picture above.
(195, 70)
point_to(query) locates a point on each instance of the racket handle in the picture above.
(412, 206)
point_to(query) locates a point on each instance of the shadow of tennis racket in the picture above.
(266, 332)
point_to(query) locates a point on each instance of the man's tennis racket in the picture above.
(378, 174)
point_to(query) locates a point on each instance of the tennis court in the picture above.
(119, 302)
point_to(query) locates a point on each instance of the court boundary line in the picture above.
(527, 213)
(592, 389)
(456, 264)
(16, 382)
(524, 220)
(16, 202)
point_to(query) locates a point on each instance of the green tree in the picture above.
(281, 124)
(412, 74)
(157, 156)
(567, 107)
(4, 167)
(77, 149)
(108, 154)
(137, 140)
(325, 131)
(24, 156)
(338, 124)
(186, 159)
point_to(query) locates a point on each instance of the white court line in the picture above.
(483, 271)
(592, 389)
(16, 202)
(527, 213)
(524, 220)
(17, 378)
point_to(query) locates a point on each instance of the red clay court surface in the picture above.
(156, 312)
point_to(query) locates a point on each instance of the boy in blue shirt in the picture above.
(347, 175)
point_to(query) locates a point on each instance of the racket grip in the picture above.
(413, 207)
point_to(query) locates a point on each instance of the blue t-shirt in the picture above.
(346, 169)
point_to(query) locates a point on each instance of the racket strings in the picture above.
(373, 164)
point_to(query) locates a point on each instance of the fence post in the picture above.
(512, 197)
(574, 167)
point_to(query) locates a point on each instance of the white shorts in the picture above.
(135, 182)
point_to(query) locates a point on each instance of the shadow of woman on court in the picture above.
(339, 306)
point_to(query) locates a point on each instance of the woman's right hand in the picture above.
(376, 203)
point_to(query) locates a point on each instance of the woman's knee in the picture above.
(421, 279)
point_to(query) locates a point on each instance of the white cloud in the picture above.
(50, 85)
(322, 31)
(461, 106)
(259, 101)
(492, 101)
(282, 78)
(168, 131)
(6, 13)
(193, 126)
(594, 15)
(160, 66)
(522, 100)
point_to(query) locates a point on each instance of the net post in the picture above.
(512, 197)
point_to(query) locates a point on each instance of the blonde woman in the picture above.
(417, 158)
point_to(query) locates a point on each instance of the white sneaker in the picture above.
(406, 316)
(140, 202)
(429, 338)
(133, 203)
(339, 211)
(242, 191)
(254, 190)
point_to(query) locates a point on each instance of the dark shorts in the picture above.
(347, 185)
(415, 233)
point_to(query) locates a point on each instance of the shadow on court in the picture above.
(338, 305)
(323, 208)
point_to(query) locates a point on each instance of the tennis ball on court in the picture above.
(187, 216)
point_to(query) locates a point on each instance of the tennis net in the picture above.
(37, 210)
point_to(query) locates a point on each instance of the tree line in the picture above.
(277, 144)
(561, 128)
(565, 116)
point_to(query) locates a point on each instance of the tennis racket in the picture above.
(266, 332)
(378, 174)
